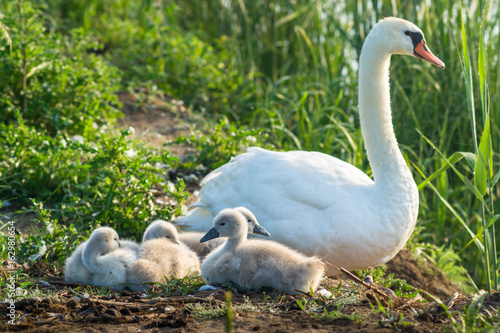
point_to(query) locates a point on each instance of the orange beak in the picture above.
(421, 51)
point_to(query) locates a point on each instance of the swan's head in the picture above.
(253, 224)
(399, 36)
(161, 229)
(103, 240)
(228, 223)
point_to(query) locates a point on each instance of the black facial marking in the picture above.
(416, 37)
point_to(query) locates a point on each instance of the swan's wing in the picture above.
(277, 187)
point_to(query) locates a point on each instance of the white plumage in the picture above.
(319, 204)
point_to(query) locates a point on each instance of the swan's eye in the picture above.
(407, 33)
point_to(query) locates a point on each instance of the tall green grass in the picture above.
(296, 65)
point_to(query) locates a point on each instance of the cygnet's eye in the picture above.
(249, 220)
(167, 236)
(223, 224)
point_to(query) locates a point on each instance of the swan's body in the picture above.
(253, 264)
(192, 239)
(319, 204)
(161, 256)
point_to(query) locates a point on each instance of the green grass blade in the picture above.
(453, 211)
(481, 66)
(451, 160)
(480, 231)
(466, 68)
(482, 168)
(467, 182)
(495, 179)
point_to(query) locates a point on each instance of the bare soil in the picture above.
(70, 308)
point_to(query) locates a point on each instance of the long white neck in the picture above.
(386, 160)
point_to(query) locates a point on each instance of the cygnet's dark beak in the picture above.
(211, 234)
(258, 229)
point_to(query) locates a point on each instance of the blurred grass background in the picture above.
(286, 68)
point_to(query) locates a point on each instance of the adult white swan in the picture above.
(321, 205)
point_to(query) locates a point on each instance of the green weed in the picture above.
(51, 80)
(180, 286)
(474, 318)
(339, 315)
(210, 311)
(389, 318)
(223, 141)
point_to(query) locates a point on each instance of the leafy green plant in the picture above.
(339, 315)
(108, 182)
(50, 80)
(389, 318)
(180, 286)
(474, 318)
(53, 243)
(213, 311)
(447, 261)
(225, 141)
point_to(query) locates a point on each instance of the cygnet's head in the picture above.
(228, 223)
(253, 224)
(161, 229)
(399, 36)
(103, 240)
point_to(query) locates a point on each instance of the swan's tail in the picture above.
(197, 219)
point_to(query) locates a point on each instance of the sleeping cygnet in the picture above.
(103, 256)
(251, 264)
(161, 258)
(192, 239)
(161, 229)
